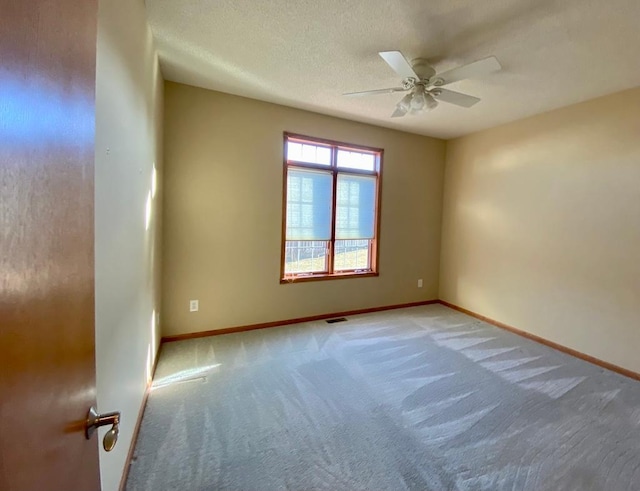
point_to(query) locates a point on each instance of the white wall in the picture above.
(128, 144)
(541, 226)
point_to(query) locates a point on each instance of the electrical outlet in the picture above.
(193, 306)
(420, 283)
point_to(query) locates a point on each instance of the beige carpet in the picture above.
(423, 398)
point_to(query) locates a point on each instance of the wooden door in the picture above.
(47, 367)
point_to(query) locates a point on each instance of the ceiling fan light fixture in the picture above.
(405, 103)
(417, 101)
(430, 102)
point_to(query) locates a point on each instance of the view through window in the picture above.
(331, 209)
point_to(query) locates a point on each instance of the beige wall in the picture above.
(128, 143)
(223, 213)
(541, 226)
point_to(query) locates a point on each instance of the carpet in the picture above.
(423, 398)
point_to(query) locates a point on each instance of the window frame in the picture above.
(374, 249)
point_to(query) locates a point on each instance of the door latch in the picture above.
(95, 420)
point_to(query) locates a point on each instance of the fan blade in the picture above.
(475, 69)
(375, 92)
(453, 97)
(399, 63)
(398, 113)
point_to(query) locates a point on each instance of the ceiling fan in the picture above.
(425, 86)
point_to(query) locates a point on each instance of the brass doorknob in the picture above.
(95, 420)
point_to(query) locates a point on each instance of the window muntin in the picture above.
(330, 222)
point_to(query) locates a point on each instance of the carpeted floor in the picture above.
(423, 398)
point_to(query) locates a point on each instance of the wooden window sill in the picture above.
(323, 277)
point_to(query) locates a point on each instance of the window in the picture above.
(331, 209)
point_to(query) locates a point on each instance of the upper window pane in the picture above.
(313, 154)
(356, 160)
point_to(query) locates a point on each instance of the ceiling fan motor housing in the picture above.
(422, 68)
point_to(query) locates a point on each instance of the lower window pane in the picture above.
(352, 255)
(305, 256)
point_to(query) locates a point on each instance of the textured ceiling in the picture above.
(306, 53)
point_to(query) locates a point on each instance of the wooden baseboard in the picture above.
(136, 428)
(251, 327)
(546, 342)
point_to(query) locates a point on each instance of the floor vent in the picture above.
(339, 319)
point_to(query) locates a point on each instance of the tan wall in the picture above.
(127, 261)
(541, 226)
(223, 214)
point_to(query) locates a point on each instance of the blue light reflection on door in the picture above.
(36, 114)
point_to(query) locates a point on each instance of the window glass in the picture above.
(356, 160)
(352, 255)
(355, 207)
(309, 204)
(313, 154)
(305, 256)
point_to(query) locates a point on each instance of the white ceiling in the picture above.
(306, 53)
